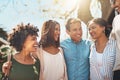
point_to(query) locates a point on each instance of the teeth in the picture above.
(35, 45)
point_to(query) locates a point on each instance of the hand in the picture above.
(6, 67)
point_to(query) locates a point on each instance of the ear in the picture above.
(68, 32)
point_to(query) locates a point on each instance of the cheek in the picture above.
(30, 44)
(81, 32)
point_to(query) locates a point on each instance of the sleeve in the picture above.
(112, 34)
(65, 70)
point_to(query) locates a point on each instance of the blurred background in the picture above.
(13, 12)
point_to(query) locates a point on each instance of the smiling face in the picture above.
(57, 32)
(95, 30)
(116, 4)
(30, 43)
(50, 34)
(75, 31)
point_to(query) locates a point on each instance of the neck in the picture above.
(101, 44)
(101, 40)
(24, 58)
(25, 55)
(51, 49)
(76, 41)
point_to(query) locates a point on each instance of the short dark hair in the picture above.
(47, 35)
(20, 33)
(71, 21)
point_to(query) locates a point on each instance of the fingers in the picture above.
(6, 67)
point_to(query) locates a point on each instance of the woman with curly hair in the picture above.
(24, 65)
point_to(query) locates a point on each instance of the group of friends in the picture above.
(71, 59)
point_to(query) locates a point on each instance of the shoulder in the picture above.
(86, 42)
(117, 17)
(65, 42)
(112, 42)
(116, 20)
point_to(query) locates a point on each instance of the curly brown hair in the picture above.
(20, 33)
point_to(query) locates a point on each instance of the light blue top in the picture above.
(77, 59)
(104, 69)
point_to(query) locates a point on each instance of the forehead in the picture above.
(57, 25)
(31, 36)
(75, 25)
(92, 24)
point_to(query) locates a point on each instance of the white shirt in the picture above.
(53, 66)
(100, 62)
(116, 35)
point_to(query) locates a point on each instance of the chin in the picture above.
(77, 40)
(33, 51)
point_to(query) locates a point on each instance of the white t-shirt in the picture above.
(53, 66)
(100, 62)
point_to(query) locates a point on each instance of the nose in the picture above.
(90, 31)
(36, 42)
(79, 31)
(112, 5)
(58, 32)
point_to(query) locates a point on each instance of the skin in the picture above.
(116, 5)
(97, 33)
(24, 57)
(96, 30)
(51, 49)
(75, 32)
(29, 46)
(57, 32)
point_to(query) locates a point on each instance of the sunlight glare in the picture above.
(70, 4)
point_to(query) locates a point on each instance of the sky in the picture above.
(13, 12)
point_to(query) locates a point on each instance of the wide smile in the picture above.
(35, 46)
(92, 34)
(78, 35)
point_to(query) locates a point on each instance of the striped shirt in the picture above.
(103, 71)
